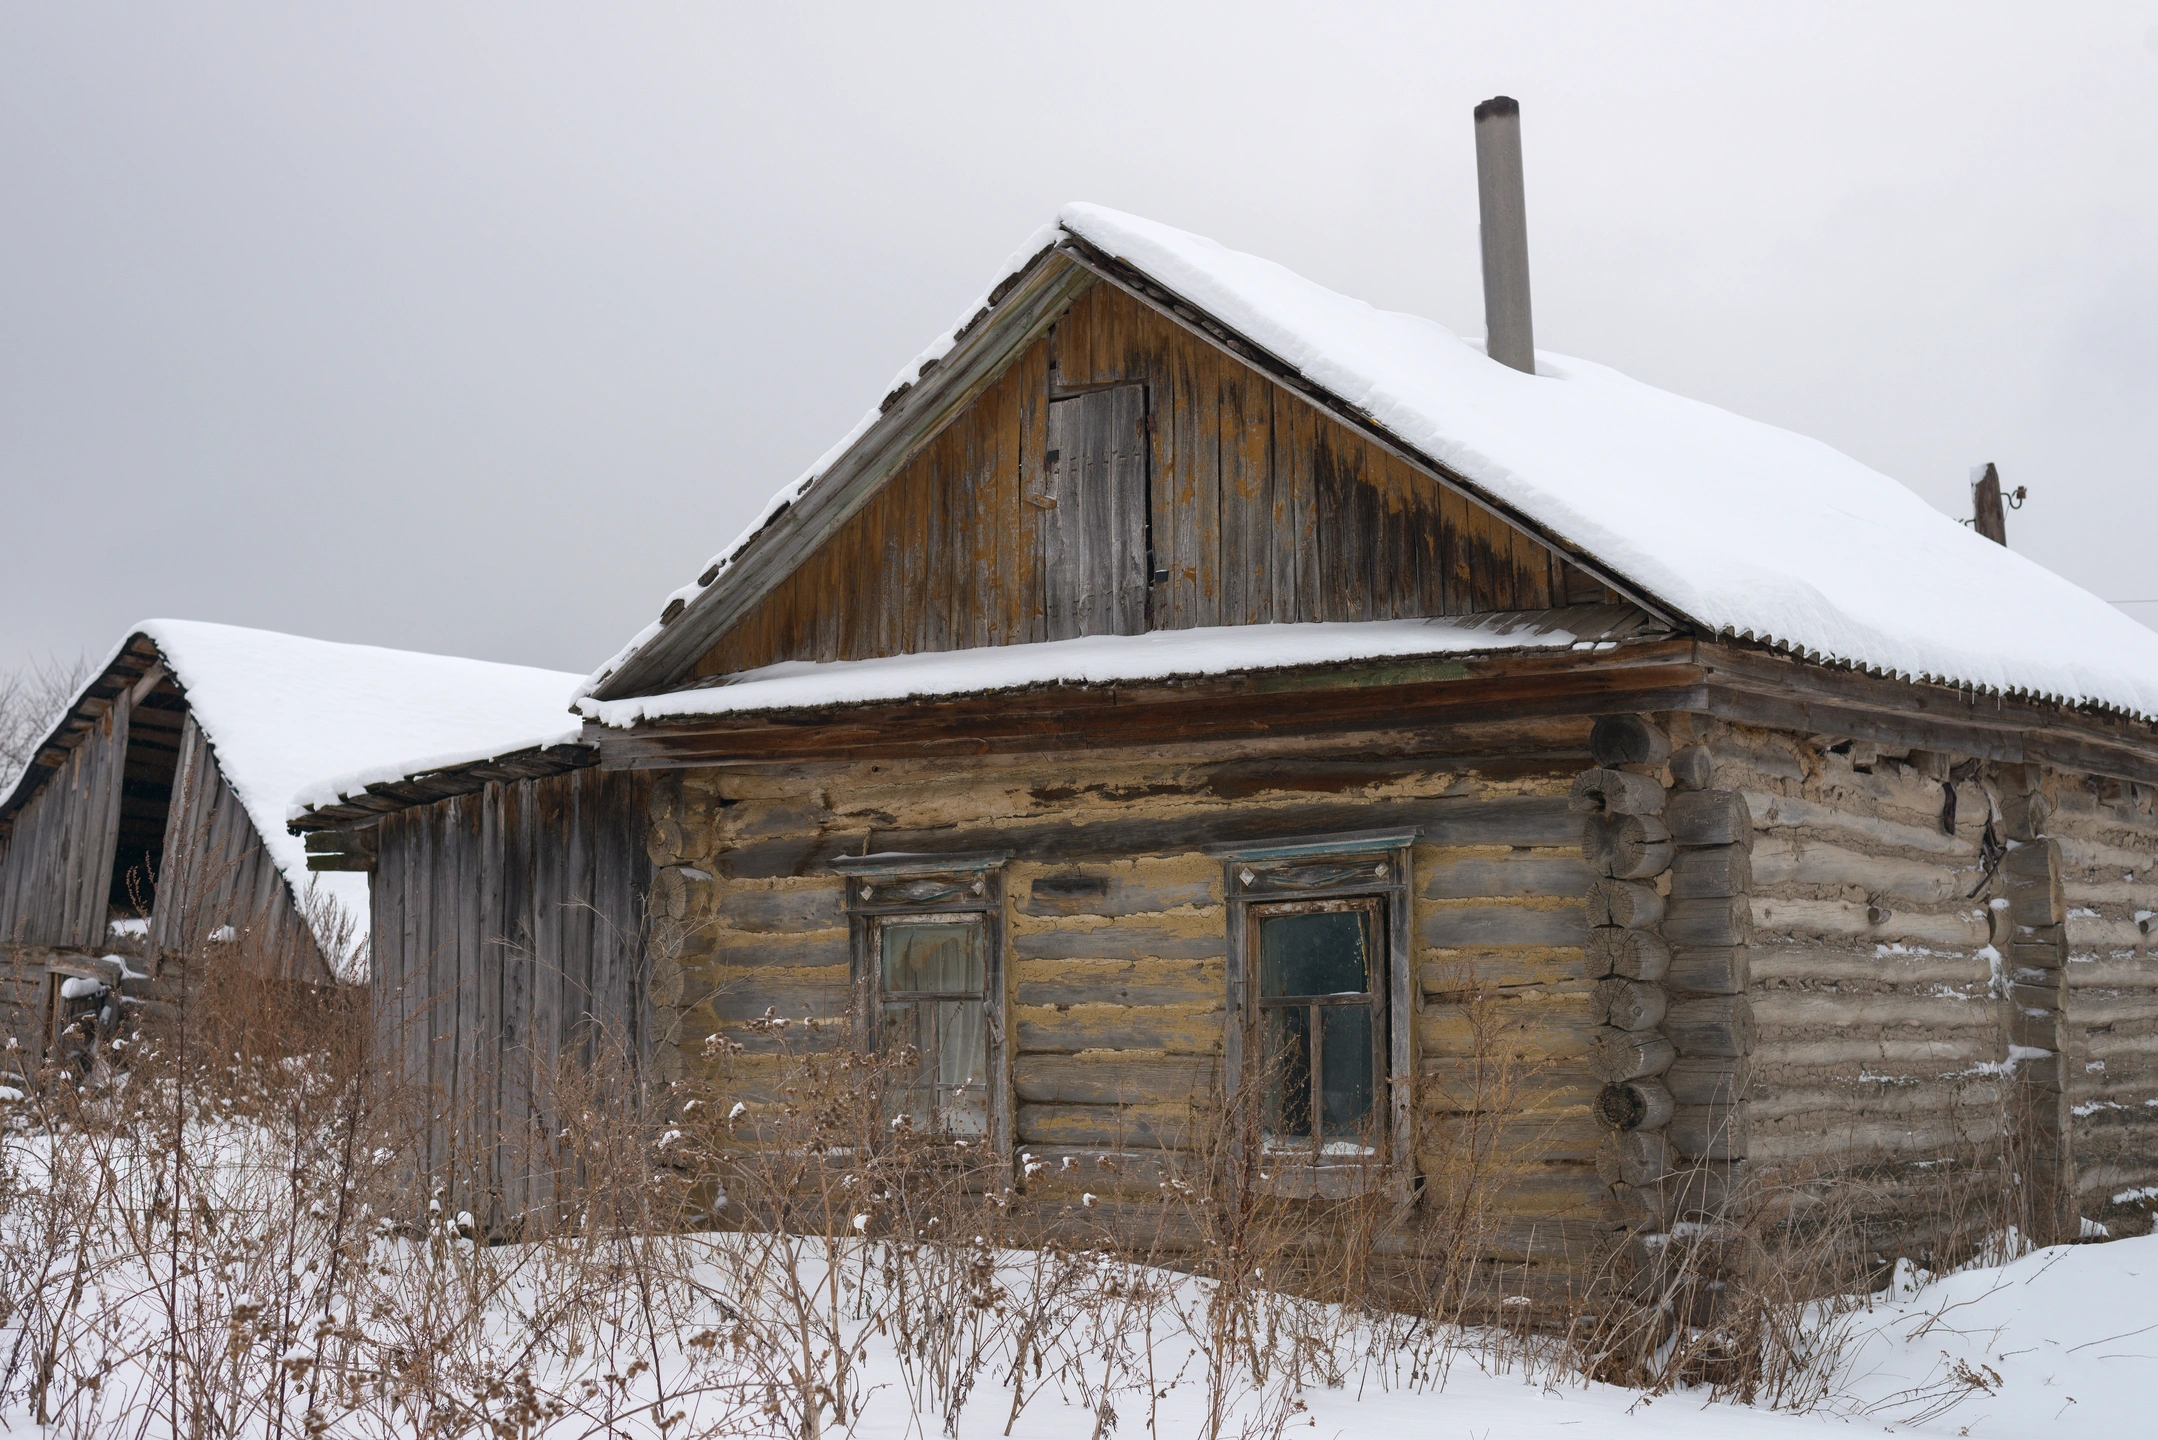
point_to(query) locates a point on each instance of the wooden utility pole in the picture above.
(1989, 515)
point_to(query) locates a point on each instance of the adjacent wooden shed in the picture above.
(151, 823)
(1188, 678)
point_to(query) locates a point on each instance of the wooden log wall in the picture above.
(1118, 932)
(509, 963)
(56, 870)
(2105, 835)
(218, 874)
(1264, 509)
(1879, 976)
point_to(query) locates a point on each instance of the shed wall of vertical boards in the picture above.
(56, 872)
(217, 872)
(509, 970)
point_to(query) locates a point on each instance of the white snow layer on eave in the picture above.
(280, 711)
(339, 788)
(719, 564)
(1091, 660)
(1747, 529)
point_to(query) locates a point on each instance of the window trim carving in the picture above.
(1375, 864)
(883, 887)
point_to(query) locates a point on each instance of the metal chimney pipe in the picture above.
(1508, 336)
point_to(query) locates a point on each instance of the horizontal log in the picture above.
(1633, 1157)
(2127, 894)
(1829, 1105)
(1554, 1190)
(1500, 969)
(1628, 740)
(1628, 904)
(1848, 919)
(1770, 1143)
(1129, 939)
(1460, 821)
(1121, 982)
(821, 905)
(1710, 1132)
(1692, 768)
(1159, 1127)
(1772, 812)
(1626, 847)
(2141, 973)
(1821, 963)
(1532, 1026)
(791, 994)
(1482, 926)
(2080, 852)
(1067, 1029)
(1719, 1025)
(1711, 871)
(1710, 970)
(1970, 1047)
(738, 951)
(1782, 1009)
(1107, 1079)
(1709, 817)
(1640, 1207)
(1712, 922)
(1628, 1004)
(1629, 954)
(2097, 932)
(1618, 1055)
(1517, 873)
(1463, 1085)
(1709, 1079)
(1073, 893)
(1635, 1105)
(1616, 792)
(1508, 1143)
(1789, 860)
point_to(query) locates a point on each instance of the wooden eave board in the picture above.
(130, 665)
(912, 417)
(1360, 697)
(390, 796)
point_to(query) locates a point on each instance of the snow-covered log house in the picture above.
(150, 828)
(1188, 678)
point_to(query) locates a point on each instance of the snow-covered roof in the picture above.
(281, 711)
(1738, 527)
(1123, 659)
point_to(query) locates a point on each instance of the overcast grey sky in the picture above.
(477, 328)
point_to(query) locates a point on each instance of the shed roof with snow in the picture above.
(178, 760)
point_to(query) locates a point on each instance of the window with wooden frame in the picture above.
(928, 971)
(1322, 1008)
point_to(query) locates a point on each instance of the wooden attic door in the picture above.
(1092, 515)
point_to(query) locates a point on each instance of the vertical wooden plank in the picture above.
(1028, 599)
(1248, 517)
(1458, 579)
(1296, 489)
(1195, 572)
(1532, 572)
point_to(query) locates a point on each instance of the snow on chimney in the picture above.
(1508, 338)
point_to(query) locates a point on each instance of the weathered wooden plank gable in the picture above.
(1264, 509)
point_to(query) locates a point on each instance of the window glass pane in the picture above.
(1345, 1071)
(947, 1087)
(1285, 1052)
(1315, 953)
(942, 957)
